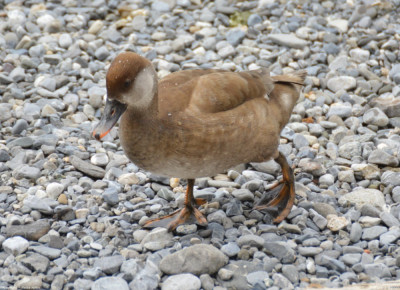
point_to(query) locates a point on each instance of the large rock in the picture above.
(197, 259)
(32, 232)
(361, 196)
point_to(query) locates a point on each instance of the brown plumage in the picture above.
(196, 123)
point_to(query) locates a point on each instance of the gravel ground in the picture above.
(71, 208)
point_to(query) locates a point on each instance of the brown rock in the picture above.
(32, 232)
(63, 199)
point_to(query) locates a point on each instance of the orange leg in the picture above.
(183, 215)
(284, 200)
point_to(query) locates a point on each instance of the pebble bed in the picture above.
(72, 208)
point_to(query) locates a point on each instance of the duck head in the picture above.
(131, 82)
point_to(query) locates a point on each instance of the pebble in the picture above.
(243, 194)
(182, 282)
(36, 262)
(372, 233)
(346, 83)
(288, 40)
(336, 223)
(375, 116)
(87, 168)
(110, 283)
(251, 240)
(109, 264)
(157, 239)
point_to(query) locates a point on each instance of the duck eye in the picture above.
(127, 83)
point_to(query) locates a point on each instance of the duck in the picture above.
(199, 123)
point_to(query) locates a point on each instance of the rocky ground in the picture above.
(71, 208)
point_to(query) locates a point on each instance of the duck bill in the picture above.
(112, 111)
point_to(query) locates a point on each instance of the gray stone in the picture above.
(241, 269)
(361, 196)
(44, 205)
(65, 40)
(110, 196)
(109, 265)
(379, 270)
(257, 277)
(84, 284)
(17, 74)
(19, 126)
(254, 19)
(282, 282)
(291, 272)
(235, 36)
(110, 283)
(166, 194)
(280, 250)
(181, 282)
(351, 259)
(309, 251)
(389, 219)
(391, 178)
(197, 259)
(300, 141)
(26, 171)
(251, 240)
(24, 142)
(48, 252)
(375, 116)
(102, 53)
(389, 237)
(87, 168)
(373, 232)
(350, 149)
(157, 239)
(381, 157)
(343, 110)
(346, 83)
(4, 156)
(230, 249)
(395, 193)
(243, 194)
(288, 40)
(355, 232)
(36, 262)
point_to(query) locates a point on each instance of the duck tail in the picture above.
(297, 78)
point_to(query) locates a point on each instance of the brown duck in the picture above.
(198, 123)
